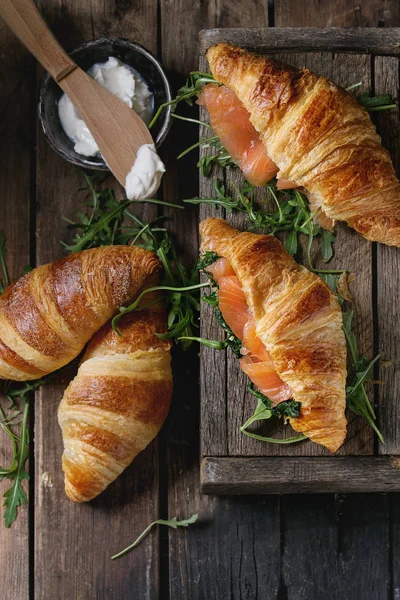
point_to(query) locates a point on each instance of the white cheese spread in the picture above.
(122, 82)
(144, 178)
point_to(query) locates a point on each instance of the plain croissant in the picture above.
(116, 404)
(48, 315)
(299, 321)
(320, 138)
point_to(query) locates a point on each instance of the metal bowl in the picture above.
(86, 55)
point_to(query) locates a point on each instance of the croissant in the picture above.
(48, 315)
(298, 320)
(319, 137)
(116, 404)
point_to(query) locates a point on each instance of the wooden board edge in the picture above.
(299, 475)
(372, 40)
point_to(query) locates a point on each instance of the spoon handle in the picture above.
(25, 21)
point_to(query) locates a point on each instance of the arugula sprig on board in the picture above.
(4, 278)
(265, 410)
(292, 215)
(361, 372)
(173, 523)
(109, 222)
(376, 103)
(14, 421)
(15, 495)
(187, 93)
(16, 427)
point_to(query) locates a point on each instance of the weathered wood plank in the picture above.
(394, 525)
(16, 96)
(298, 475)
(74, 543)
(339, 13)
(343, 540)
(298, 39)
(309, 540)
(387, 79)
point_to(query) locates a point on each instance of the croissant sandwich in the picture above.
(116, 404)
(276, 120)
(290, 324)
(48, 315)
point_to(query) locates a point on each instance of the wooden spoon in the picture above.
(118, 130)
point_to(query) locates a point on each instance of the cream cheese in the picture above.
(122, 82)
(144, 178)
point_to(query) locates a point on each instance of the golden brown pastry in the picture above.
(116, 404)
(320, 138)
(48, 315)
(299, 321)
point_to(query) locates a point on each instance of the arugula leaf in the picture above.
(291, 242)
(173, 523)
(376, 103)
(187, 93)
(231, 340)
(292, 215)
(15, 496)
(221, 158)
(327, 241)
(3, 253)
(207, 259)
(289, 408)
(264, 410)
(213, 344)
(357, 399)
(110, 222)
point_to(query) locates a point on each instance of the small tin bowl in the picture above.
(86, 55)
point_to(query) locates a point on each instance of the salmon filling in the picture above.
(256, 362)
(231, 122)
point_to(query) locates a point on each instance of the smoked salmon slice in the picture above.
(252, 342)
(263, 375)
(231, 122)
(256, 362)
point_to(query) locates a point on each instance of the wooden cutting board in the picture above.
(233, 463)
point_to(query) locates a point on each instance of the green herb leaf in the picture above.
(135, 305)
(288, 408)
(111, 222)
(327, 241)
(5, 279)
(207, 259)
(187, 93)
(173, 523)
(214, 344)
(15, 496)
(357, 399)
(374, 103)
(262, 438)
(220, 159)
(291, 242)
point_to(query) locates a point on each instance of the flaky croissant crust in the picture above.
(299, 321)
(319, 137)
(47, 316)
(116, 404)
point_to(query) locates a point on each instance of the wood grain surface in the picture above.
(16, 99)
(299, 474)
(265, 547)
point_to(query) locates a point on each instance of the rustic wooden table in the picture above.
(291, 547)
